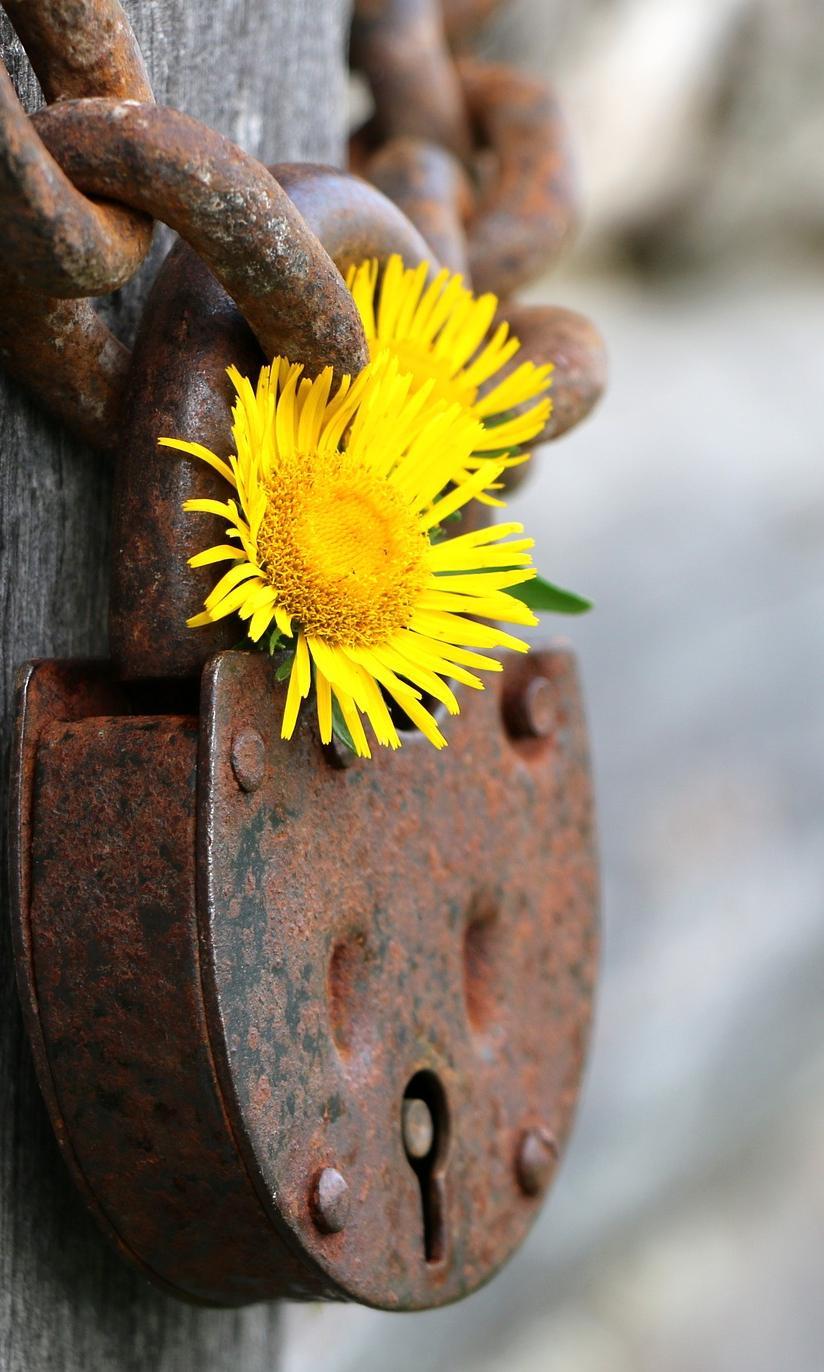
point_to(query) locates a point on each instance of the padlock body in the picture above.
(234, 976)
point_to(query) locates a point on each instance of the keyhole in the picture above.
(425, 1129)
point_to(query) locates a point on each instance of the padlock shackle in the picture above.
(190, 333)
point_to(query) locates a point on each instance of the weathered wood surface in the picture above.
(270, 73)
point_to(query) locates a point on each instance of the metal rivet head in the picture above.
(248, 757)
(531, 714)
(330, 1201)
(418, 1128)
(535, 1163)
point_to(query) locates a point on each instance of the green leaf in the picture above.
(340, 728)
(539, 594)
(438, 531)
(275, 639)
(493, 420)
(284, 668)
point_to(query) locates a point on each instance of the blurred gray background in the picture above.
(685, 1233)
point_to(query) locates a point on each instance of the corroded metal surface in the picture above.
(518, 154)
(65, 354)
(232, 992)
(462, 17)
(502, 212)
(191, 332)
(45, 691)
(108, 964)
(54, 239)
(81, 47)
(526, 212)
(228, 207)
(303, 1029)
(431, 187)
(401, 47)
(352, 219)
(505, 229)
(423, 914)
(571, 342)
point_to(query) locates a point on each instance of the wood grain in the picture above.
(271, 76)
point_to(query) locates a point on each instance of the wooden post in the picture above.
(270, 74)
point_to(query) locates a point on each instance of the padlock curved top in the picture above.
(353, 219)
(190, 333)
(306, 1031)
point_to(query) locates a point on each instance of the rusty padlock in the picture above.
(303, 1030)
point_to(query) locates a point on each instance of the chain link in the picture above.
(477, 155)
(475, 158)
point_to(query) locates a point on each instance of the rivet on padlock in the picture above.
(303, 1030)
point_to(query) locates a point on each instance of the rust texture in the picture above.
(191, 331)
(65, 354)
(526, 212)
(431, 187)
(401, 47)
(230, 1005)
(303, 1028)
(509, 226)
(227, 206)
(463, 17)
(551, 333)
(108, 961)
(518, 152)
(53, 237)
(352, 219)
(80, 47)
(502, 211)
(73, 362)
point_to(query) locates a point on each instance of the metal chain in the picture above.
(475, 157)
(62, 244)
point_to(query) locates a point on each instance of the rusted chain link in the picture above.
(432, 188)
(228, 206)
(474, 156)
(70, 361)
(499, 210)
(463, 17)
(401, 47)
(239, 219)
(525, 209)
(54, 239)
(516, 154)
(81, 47)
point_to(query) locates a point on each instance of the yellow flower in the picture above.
(441, 333)
(333, 517)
